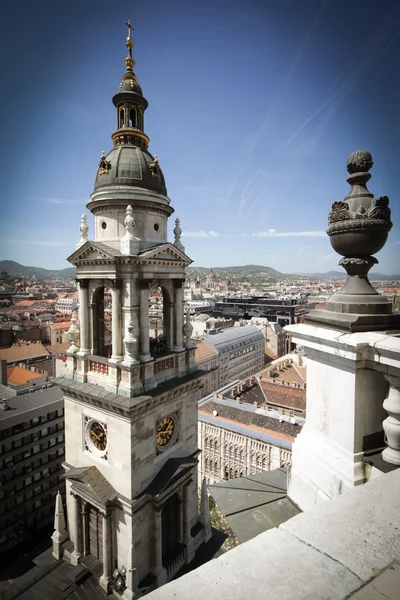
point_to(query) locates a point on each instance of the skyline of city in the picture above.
(233, 155)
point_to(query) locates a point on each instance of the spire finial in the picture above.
(129, 44)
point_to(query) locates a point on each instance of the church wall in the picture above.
(144, 225)
(117, 469)
(142, 536)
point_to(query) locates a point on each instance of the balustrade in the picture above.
(97, 367)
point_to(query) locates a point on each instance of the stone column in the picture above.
(391, 425)
(158, 568)
(83, 293)
(180, 516)
(116, 330)
(107, 551)
(85, 528)
(144, 355)
(76, 526)
(178, 285)
(187, 536)
(91, 328)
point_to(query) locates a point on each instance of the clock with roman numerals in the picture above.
(165, 431)
(96, 439)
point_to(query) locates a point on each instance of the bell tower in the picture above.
(132, 384)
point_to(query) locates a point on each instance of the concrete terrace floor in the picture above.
(384, 587)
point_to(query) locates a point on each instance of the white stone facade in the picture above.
(228, 455)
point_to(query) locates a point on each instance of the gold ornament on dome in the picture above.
(154, 167)
(104, 165)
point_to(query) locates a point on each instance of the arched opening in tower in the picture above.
(101, 324)
(132, 118)
(160, 321)
(121, 117)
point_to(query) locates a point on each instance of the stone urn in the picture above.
(358, 227)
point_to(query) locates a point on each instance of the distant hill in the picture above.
(241, 270)
(14, 268)
(342, 275)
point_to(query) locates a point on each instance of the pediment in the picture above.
(93, 251)
(166, 252)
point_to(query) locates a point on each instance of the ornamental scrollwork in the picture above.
(379, 211)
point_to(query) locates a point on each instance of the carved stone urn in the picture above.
(358, 228)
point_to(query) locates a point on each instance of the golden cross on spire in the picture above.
(130, 28)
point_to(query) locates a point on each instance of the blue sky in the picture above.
(254, 107)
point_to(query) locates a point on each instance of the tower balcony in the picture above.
(130, 379)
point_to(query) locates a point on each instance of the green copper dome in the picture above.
(132, 166)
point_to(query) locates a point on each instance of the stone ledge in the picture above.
(326, 554)
(361, 530)
(273, 565)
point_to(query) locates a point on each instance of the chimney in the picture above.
(3, 371)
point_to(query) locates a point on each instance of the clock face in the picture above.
(165, 430)
(97, 435)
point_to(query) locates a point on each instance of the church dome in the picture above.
(132, 166)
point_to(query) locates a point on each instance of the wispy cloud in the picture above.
(201, 234)
(304, 248)
(61, 201)
(397, 242)
(327, 257)
(275, 233)
(369, 54)
(286, 81)
(39, 242)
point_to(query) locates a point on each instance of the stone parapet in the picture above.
(330, 553)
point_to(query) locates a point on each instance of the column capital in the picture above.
(178, 283)
(145, 284)
(115, 284)
(83, 284)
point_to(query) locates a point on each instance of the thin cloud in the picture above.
(201, 234)
(40, 242)
(286, 81)
(369, 54)
(275, 233)
(303, 248)
(397, 242)
(327, 257)
(61, 201)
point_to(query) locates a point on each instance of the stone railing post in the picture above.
(391, 425)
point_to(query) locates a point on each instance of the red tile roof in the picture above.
(20, 376)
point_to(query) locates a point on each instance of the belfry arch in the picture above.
(161, 319)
